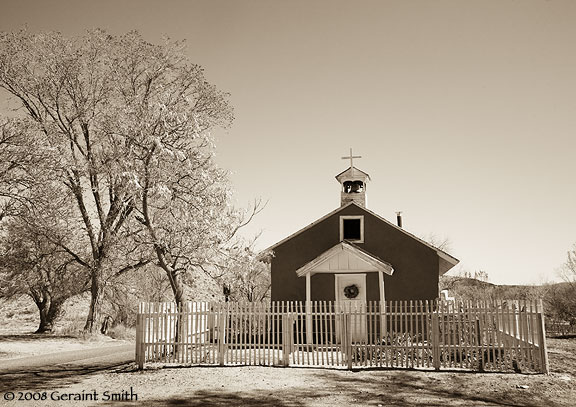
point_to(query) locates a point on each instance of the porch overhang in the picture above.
(345, 257)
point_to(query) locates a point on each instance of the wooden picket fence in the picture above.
(496, 336)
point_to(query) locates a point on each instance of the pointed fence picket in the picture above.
(496, 335)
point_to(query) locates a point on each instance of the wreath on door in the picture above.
(351, 291)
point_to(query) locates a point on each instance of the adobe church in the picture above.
(354, 254)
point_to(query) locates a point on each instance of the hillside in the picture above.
(457, 284)
(472, 289)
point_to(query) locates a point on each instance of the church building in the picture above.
(353, 254)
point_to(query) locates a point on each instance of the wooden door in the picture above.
(351, 298)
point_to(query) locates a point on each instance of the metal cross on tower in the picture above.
(351, 158)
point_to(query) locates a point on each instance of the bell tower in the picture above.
(353, 183)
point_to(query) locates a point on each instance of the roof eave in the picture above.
(378, 264)
(348, 169)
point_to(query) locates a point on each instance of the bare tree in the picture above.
(33, 261)
(442, 243)
(568, 270)
(186, 211)
(247, 278)
(561, 298)
(106, 104)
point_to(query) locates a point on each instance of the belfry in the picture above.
(353, 183)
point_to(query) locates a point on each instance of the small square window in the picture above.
(352, 228)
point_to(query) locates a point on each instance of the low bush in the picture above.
(120, 331)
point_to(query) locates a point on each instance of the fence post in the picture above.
(292, 323)
(285, 340)
(479, 343)
(339, 326)
(309, 323)
(383, 320)
(222, 326)
(544, 367)
(348, 323)
(436, 340)
(140, 345)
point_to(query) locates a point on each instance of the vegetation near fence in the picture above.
(559, 328)
(498, 336)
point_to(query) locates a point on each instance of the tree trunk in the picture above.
(49, 311)
(96, 295)
(177, 287)
(178, 291)
(46, 325)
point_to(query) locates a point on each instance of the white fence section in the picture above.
(497, 336)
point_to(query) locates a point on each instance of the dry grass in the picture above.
(19, 320)
(122, 332)
(20, 315)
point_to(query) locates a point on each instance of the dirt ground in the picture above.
(22, 345)
(265, 386)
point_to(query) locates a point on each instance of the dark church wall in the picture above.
(415, 264)
(294, 253)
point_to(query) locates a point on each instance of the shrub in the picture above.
(120, 331)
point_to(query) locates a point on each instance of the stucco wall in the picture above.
(415, 264)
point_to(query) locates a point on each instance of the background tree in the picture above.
(36, 231)
(561, 298)
(148, 284)
(112, 108)
(246, 277)
(442, 243)
(568, 270)
(33, 261)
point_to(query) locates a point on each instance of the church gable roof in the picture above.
(305, 228)
(447, 261)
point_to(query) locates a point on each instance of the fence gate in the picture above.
(499, 336)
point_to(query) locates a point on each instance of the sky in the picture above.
(464, 113)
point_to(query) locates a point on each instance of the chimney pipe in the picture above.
(399, 218)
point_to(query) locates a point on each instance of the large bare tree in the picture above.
(105, 105)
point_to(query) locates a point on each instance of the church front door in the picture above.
(351, 299)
